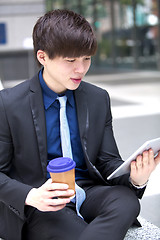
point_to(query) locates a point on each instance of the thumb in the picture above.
(47, 183)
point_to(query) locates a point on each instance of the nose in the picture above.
(80, 67)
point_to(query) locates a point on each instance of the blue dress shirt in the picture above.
(52, 107)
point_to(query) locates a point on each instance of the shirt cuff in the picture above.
(138, 186)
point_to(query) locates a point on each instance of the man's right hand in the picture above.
(46, 197)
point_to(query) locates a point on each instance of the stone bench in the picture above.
(148, 231)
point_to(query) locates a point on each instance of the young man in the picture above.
(30, 137)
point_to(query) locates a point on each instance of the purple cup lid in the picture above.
(62, 164)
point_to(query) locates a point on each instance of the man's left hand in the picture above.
(142, 168)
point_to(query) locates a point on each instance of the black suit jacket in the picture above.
(23, 146)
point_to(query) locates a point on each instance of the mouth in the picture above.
(76, 80)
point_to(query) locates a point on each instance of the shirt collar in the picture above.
(50, 96)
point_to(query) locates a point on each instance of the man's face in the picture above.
(61, 73)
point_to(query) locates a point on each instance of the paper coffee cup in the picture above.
(62, 170)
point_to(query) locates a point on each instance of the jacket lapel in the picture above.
(36, 103)
(83, 122)
(83, 116)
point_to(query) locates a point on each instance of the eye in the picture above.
(70, 60)
(88, 58)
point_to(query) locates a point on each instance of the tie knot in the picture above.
(62, 101)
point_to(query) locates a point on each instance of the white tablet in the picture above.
(125, 167)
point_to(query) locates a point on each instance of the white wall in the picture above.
(19, 17)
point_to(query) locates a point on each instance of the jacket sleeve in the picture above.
(12, 192)
(108, 158)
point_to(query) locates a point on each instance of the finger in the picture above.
(139, 162)
(151, 157)
(145, 158)
(57, 193)
(50, 208)
(60, 186)
(133, 172)
(49, 186)
(133, 166)
(57, 202)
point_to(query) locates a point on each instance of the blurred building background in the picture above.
(127, 31)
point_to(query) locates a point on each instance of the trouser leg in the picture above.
(110, 211)
(60, 225)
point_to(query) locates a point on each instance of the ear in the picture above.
(41, 56)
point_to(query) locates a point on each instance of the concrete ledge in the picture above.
(148, 231)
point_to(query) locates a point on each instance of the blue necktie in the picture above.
(67, 149)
